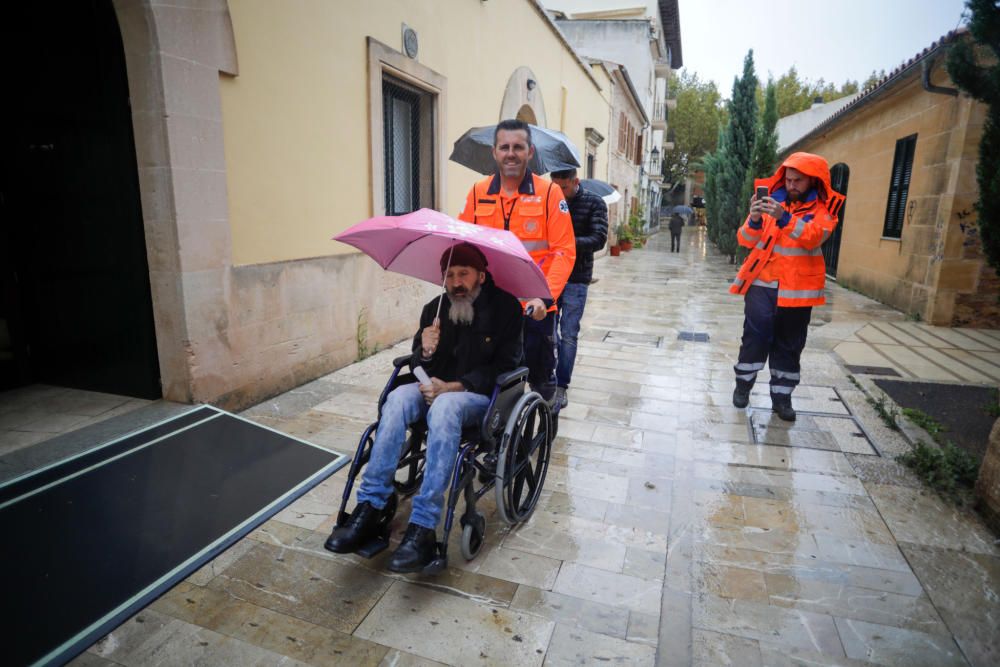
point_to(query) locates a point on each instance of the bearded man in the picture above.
(784, 275)
(476, 338)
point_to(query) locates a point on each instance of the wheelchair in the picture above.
(507, 454)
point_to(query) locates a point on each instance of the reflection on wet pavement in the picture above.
(670, 531)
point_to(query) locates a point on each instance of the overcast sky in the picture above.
(835, 41)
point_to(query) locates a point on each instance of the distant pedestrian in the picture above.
(590, 226)
(676, 225)
(784, 275)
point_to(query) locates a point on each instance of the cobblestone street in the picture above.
(674, 529)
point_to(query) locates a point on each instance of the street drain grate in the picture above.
(636, 339)
(694, 336)
(874, 370)
(823, 422)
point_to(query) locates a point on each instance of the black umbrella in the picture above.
(603, 190)
(553, 150)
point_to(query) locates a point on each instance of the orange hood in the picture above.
(810, 165)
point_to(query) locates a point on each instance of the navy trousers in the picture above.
(773, 335)
(540, 353)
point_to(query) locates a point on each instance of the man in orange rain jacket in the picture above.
(784, 275)
(535, 210)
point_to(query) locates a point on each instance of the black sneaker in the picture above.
(362, 527)
(415, 552)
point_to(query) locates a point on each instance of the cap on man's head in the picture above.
(464, 254)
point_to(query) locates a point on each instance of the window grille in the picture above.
(899, 187)
(401, 111)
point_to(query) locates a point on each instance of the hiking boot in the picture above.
(362, 527)
(741, 396)
(416, 551)
(782, 406)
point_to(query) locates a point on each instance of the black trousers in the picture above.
(773, 335)
(675, 242)
(540, 345)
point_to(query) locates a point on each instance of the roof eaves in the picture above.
(901, 74)
(671, 21)
(565, 42)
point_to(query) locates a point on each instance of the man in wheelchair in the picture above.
(476, 338)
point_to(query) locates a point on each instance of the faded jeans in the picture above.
(571, 305)
(447, 415)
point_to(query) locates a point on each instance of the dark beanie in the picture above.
(464, 254)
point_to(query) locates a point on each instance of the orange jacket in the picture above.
(537, 214)
(791, 258)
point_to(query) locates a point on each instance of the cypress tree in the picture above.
(711, 163)
(733, 183)
(983, 83)
(765, 148)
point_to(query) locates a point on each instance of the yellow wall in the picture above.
(296, 118)
(920, 274)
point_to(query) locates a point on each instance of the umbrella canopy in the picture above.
(553, 150)
(684, 210)
(605, 191)
(412, 244)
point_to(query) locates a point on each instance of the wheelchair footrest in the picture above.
(374, 547)
(436, 566)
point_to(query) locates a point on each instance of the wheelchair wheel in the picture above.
(523, 459)
(411, 474)
(473, 536)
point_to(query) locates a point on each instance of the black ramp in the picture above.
(84, 551)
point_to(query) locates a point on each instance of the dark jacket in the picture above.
(590, 224)
(475, 354)
(676, 224)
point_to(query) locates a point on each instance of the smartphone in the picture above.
(761, 192)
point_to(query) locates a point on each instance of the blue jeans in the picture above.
(447, 415)
(571, 304)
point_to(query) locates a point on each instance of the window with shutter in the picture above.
(899, 187)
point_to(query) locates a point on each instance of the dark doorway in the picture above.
(840, 174)
(76, 309)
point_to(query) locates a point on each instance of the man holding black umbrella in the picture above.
(535, 210)
(590, 226)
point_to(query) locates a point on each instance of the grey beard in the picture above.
(461, 310)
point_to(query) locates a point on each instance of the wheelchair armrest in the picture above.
(399, 362)
(508, 380)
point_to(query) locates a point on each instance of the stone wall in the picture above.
(935, 270)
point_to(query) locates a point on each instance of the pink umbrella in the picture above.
(412, 244)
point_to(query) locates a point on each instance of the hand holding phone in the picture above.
(761, 192)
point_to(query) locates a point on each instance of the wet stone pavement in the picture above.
(674, 529)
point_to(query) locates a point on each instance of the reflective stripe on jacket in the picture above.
(791, 258)
(537, 214)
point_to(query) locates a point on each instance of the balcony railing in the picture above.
(660, 115)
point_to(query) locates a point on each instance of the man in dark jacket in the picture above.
(476, 338)
(676, 226)
(590, 225)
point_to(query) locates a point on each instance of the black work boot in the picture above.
(362, 527)
(741, 395)
(782, 406)
(415, 552)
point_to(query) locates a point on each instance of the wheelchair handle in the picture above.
(399, 362)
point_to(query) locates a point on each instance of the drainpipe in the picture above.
(926, 67)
